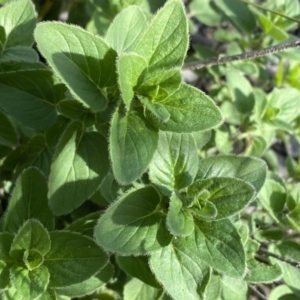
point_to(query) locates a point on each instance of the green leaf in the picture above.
(218, 244)
(28, 201)
(88, 286)
(134, 225)
(233, 288)
(262, 273)
(83, 61)
(73, 258)
(19, 53)
(135, 289)
(238, 13)
(130, 67)
(159, 84)
(2, 38)
(29, 97)
(180, 271)
(132, 145)
(85, 160)
(190, 111)
(164, 43)
(241, 91)
(86, 224)
(38, 155)
(179, 220)
(213, 288)
(30, 284)
(138, 267)
(32, 259)
(273, 197)
(8, 134)
(175, 163)
(32, 235)
(228, 195)
(126, 29)
(282, 292)
(249, 169)
(74, 110)
(6, 240)
(19, 20)
(159, 112)
(291, 274)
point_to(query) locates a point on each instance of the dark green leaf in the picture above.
(138, 267)
(29, 201)
(8, 134)
(73, 258)
(134, 224)
(29, 97)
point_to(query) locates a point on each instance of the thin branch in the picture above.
(244, 56)
(257, 292)
(290, 261)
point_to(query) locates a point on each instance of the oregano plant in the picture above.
(119, 179)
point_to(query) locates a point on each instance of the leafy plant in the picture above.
(109, 155)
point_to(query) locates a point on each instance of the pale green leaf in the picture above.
(29, 97)
(85, 160)
(28, 201)
(273, 197)
(138, 267)
(180, 270)
(138, 290)
(8, 134)
(164, 43)
(19, 20)
(233, 288)
(30, 284)
(126, 29)
(160, 112)
(130, 67)
(159, 84)
(132, 145)
(83, 61)
(190, 111)
(262, 273)
(240, 90)
(228, 195)
(180, 221)
(282, 292)
(213, 288)
(32, 235)
(249, 169)
(175, 163)
(134, 224)
(73, 258)
(218, 244)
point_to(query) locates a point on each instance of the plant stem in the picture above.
(257, 292)
(290, 261)
(244, 56)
